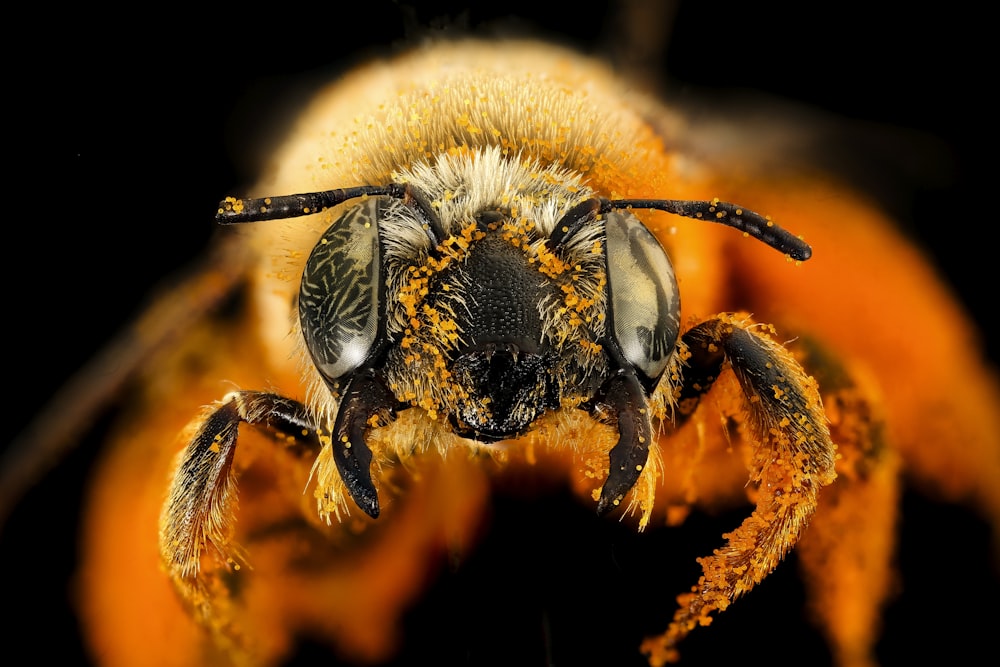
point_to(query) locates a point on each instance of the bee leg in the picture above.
(366, 398)
(846, 555)
(202, 498)
(792, 457)
(623, 396)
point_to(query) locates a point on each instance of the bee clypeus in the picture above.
(481, 259)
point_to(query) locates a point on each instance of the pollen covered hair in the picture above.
(536, 103)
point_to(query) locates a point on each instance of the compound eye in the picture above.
(341, 292)
(642, 295)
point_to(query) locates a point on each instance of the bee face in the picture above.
(494, 324)
(255, 355)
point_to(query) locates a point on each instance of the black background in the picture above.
(116, 111)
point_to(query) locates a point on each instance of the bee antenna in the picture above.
(234, 211)
(756, 225)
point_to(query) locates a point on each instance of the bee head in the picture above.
(494, 318)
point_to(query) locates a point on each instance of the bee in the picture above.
(463, 273)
